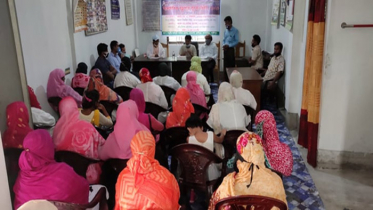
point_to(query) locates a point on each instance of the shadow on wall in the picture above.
(92, 60)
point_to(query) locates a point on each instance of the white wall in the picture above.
(249, 17)
(346, 102)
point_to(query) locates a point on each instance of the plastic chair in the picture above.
(79, 90)
(100, 199)
(124, 92)
(168, 92)
(229, 142)
(250, 202)
(194, 162)
(78, 162)
(154, 109)
(250, 111)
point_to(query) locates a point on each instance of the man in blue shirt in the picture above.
(114, 58)
(229, 42)
(107, 70)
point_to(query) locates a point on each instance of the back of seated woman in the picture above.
(41, 177)
(91, 110)
(81, 79)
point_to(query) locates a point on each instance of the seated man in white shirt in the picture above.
(210, 51)
(125, 77)
(164, 79)
(155, 49)
(256, 59)
(188, 49)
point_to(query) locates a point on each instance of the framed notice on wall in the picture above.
(275, 13)
(128, 9)
(80, 16)
(289, 14)
(283, 13)
(96, 17)
(115, 9)
(151, 11)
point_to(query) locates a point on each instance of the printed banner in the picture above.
(80, 16)
(96, 17)
(194, 17)
(115, 9)
(151, 15)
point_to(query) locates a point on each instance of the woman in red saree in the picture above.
(41, 177)
(73, 134)
(152, 186)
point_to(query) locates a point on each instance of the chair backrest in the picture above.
(166, 46)
(211, 100)
(194, 161)
(100, 198)
(229, 142)
(153, 109)
(78, 162)
(79, 90)
(124, 92)
(54, 103)
(200, 110)
(219, 49)
(238, 49)
(250, 202)
(174, 136)
(109, 106)
(196, 45)
(168, 92)
(250, 111)
(12, 168)
(266, 59)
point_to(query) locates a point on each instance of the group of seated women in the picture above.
(144, 183)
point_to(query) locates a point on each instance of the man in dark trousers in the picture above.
(229, 42)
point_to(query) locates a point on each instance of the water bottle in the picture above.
(173, 55)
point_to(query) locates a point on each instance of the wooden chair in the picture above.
(54, 103)
(250, 202)
(100, 199)
(12, 168)
(78, 162)
(166, 46)
(194, 162)
(124, 92)
(79, 90)
(238, 49)
(250, 111)
(168, 92)
(109, 106)
(110, 172)
(196, 45)
(153, 109)
(229, 142)
(217, 66)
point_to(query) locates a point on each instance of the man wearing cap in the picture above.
(155, 50)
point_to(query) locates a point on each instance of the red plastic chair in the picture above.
(250, 202)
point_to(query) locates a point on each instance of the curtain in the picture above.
(309, 119)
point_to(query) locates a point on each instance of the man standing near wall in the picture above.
(229, 42)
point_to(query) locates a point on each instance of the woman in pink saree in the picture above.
(75, 135)
(41, 177)
(57, 88)
(197, 96)
(118, 143)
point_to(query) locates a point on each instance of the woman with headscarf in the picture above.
(97, 83)
(153, 93)
(153, 186)
(201, 79)
(182, 108)
(125, 77)
(81, 79)
(227, 113)
(164, 78)
(279, 154)
(75, 135)
(57, 88)
(242, 95)
(41, 177)
(197, 96)
(17, 118)
(117, 144)
(146, 119)
(252, 177)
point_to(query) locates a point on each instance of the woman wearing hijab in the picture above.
(182, 108)
(252, 178)
(117, 144)
(279, 154)
(81, 79)
(97, 83)
(79, 136)
(227, 113)
(146, 119)
(153, 186)
(164, 79)
(57, 88)
(243, 96)
(152, 92)
(197, 96)
(41, 177)
(125, 77)
(18, 125)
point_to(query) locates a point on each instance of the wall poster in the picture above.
(96, 17)
(283, 13)
(80, 16)
(128, 10)
(289, 14)
(275, 13)
(151, 12)
(115, 9)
